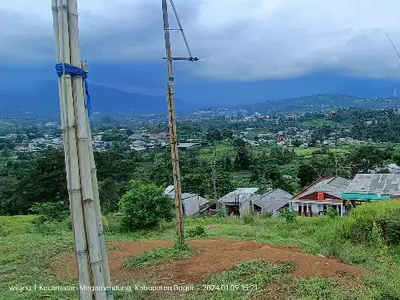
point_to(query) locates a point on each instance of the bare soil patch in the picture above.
(214, 256)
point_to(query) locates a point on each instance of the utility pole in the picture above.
(214, 173)
(89, 242)
(173, 139)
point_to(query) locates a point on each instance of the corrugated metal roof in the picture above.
(273, 200)
(170, 189)
(192, 203)
(333, 185)
(239, 195)
(388, 184)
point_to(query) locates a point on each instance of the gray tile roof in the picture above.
(240, 195)
(273, 200)
(333, 185)
(375, 184)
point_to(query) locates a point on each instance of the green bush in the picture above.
(374, 222)
(144, 206)
(199, 230)
(46, 227)
(51, 219)
(51, 211)
(221, 211)
(268, 215)
(331, 212)
(249, 218)
(288, 214)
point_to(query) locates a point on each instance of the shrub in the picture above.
(249, 218)
(373, 222)
(331, 212)
(46, 227)
(144, 206)
(268, 215)
(288, 214)
(199, 230)
(51, 219)
(221, 211)
(51, 211)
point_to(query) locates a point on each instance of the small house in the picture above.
(193, 204)
(239, 202)
(372, 187)
(272, 202)
(315, 199)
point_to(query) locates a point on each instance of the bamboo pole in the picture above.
(70, 151)
(172, 131)
(214, 173)
(100, 229)
(84, 141)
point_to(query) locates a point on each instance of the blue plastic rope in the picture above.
(67, 69)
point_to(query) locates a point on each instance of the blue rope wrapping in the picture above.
(67, 69)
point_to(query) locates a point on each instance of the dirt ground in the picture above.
(214, 256)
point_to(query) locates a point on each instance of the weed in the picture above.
(157, 256)
(249, 218)
(268, 215)
(331, 212)
(243, 280)
(288, 214)
(198, 231)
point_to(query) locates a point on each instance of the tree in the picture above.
(396, 158)
(110, 193)
(365, 158)
(243, 158)
(143, 206)
(297, 143)
(44, 181)
(307, 174)
(281, 156)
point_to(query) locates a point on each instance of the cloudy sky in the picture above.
(244, 43)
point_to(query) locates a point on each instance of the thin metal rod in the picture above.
(172, 131)
(180, 27)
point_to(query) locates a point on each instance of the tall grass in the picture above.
(355, 239)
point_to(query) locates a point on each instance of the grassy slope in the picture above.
(27, 257)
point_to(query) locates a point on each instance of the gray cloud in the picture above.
(239, 39)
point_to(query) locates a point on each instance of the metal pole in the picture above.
(172, 130)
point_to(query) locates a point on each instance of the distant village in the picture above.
(142, 140)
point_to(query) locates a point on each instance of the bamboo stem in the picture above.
(100, 229)
(84, 158)
(172, 131)
(71, 160)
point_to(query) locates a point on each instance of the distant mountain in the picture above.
(44, 99)
(321, 102)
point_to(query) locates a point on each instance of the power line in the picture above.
(394, 47)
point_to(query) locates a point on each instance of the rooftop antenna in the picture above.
(171, 116)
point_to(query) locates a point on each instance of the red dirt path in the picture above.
(214, 257)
